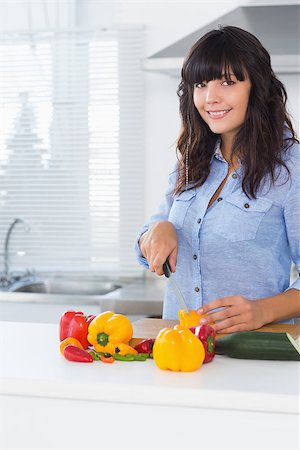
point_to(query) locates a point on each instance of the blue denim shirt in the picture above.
(237, 246)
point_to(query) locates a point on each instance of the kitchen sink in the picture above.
(67, 287)
(44, 297)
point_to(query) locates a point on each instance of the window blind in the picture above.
(71, 148)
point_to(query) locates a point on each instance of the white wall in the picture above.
(165, 22)
(36, 14)
(292, 85)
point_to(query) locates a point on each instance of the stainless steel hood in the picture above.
(276, 26)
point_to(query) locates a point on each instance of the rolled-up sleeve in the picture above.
(291, 210)
(161, 214)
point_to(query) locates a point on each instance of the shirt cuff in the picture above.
(295, 285)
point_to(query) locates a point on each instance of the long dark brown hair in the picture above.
(267, 131)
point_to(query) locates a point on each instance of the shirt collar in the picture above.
(218, 155)
(217, 151)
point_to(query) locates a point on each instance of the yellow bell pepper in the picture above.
(69, 341)
(178, 349)
(108, 330)
(190, 319)
(125, 349)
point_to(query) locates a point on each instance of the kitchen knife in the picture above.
(169, 275)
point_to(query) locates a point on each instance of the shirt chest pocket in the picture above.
(239, 217)
(180, 207)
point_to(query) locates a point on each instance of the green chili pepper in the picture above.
(94, 355)
(128, 357)
(131, 357)
(141, 356)
(97, 355)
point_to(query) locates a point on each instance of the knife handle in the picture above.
(167, 268)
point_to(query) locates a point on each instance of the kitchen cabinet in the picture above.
(48, 402)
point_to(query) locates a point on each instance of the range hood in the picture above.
(276, 26)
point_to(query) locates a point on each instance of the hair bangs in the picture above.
(213, 62)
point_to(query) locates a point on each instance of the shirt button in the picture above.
(197, 289)
(219, 199)
(199, 220)
(194, 256)
(246, 205)
(234, 175)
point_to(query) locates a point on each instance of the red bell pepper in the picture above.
(145, 346)
(73, 353)
(207, 336)
(75, 324)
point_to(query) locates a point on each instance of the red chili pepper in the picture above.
(73, 353)
(75, 324)
(207, 336)
(145, 346)
(107, 358)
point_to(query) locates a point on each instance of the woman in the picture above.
(229, 222)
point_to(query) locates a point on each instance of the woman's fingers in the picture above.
(223, 314)
(161, 257)
(158, 262)
(223, 302)
(144, 245)
(224, 329)
(159, 243)
(173, 259)
(235, 313)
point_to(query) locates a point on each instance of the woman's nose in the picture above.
(212, 93)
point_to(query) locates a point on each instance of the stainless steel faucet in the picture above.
(5, 279)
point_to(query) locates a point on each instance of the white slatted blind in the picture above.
(71, 148)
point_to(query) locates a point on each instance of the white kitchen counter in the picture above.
(234, 404)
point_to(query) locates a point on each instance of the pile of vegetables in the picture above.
(97, 338)
(106, 338)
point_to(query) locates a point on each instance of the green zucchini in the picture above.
(259, 345)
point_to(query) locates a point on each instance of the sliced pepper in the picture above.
(75, 324)
(207, 336)
(178, 349)
(69, 341)
(145, 346)
(190, 318)
(73, 353)
(125, 349)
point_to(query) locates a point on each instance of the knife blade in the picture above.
(168, 274)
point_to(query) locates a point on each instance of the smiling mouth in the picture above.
(218, 114)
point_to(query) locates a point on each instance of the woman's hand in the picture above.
(158, 244)
(237, 314)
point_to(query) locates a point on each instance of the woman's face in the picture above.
(222, 104)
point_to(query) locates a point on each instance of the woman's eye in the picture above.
(200, 85)
(228, 82)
